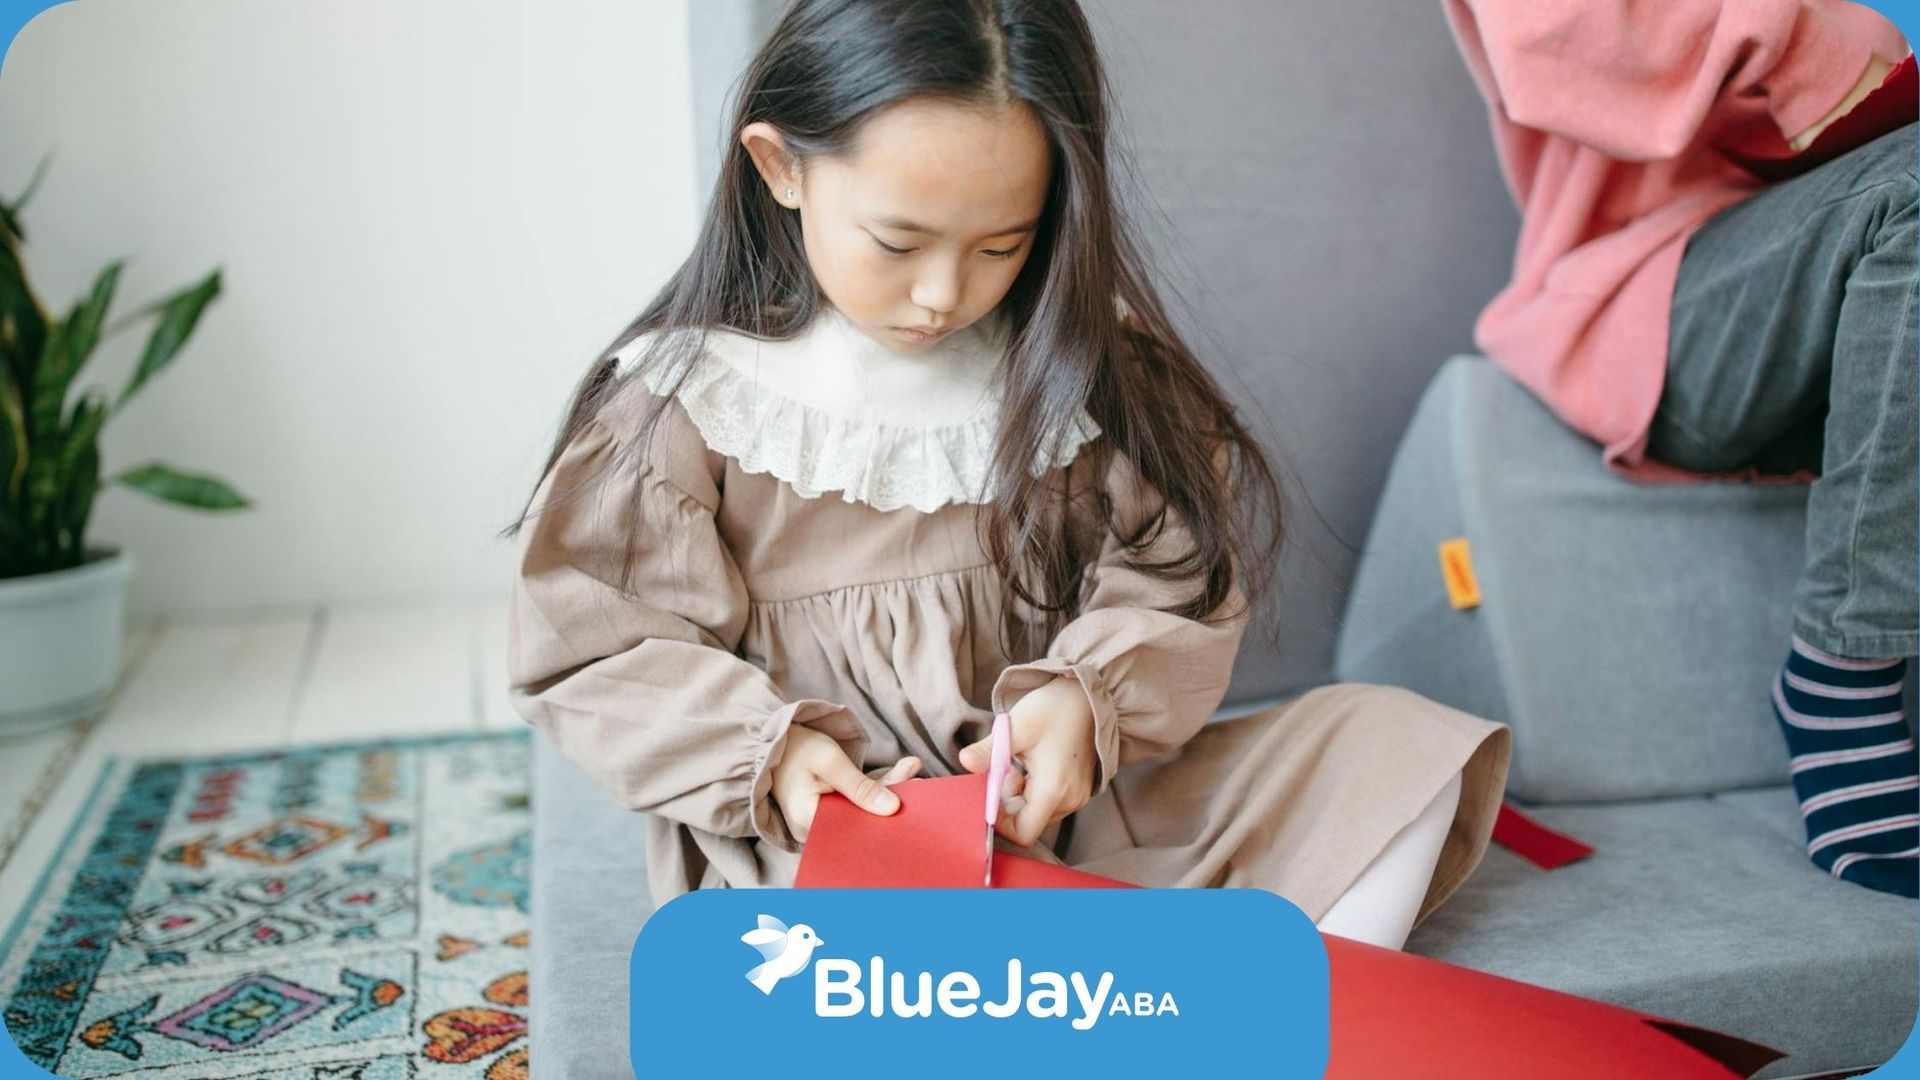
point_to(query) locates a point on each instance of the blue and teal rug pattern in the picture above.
(353, 911)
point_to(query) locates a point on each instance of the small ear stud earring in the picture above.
(789, 194)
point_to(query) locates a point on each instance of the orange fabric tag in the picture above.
(1456, 567)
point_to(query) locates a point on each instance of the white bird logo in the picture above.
(784, 952)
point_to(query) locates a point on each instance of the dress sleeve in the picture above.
(1152, 678)
(1637, 80)
(643, 687)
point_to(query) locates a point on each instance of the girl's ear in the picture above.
(769, 151)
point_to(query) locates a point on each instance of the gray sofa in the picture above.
(1625, 632)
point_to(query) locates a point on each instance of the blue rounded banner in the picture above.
(954, 982)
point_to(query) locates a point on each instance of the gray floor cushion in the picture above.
(1705, 910)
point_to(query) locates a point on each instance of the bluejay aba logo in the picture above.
(839, 989)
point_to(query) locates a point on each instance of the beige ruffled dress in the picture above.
(809, 556)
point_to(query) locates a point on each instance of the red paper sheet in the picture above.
(1393, 1014)
(936, 840)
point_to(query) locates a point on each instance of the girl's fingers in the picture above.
(976, 757)
(869, 794)
(904, 769)
(1011, 800)
(1041, 799)
(1009, 825)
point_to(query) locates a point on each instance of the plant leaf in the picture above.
(82, 433)
(10, 212)
(23, 322)
(66, 353)
(85, 333)
(80, 473)
(43, 419)
(15, 456)
(187, 489)
(178, 314)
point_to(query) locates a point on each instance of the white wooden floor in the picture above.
(211, 684)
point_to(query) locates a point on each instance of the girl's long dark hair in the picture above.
(1087, 325)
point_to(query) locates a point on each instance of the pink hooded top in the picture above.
(1618, 127)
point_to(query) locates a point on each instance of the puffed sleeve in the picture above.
(643, 687)
(1152, 678)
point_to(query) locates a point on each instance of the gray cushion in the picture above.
(589, 900)
(1628, 632)
(1705, 910)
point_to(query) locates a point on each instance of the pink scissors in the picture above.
(996, 777)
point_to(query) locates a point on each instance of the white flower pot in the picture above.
(61, 637)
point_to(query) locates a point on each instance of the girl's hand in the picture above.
(1052, 734)
(814, 764)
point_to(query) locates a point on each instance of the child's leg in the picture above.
(1378, 908)
(1794, 346)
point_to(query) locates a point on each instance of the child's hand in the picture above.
(814, 764)
(1052, 734)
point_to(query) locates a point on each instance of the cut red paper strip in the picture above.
(1534, 842)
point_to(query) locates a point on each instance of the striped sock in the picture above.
(1853, 766)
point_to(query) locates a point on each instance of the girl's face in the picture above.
(927, 223)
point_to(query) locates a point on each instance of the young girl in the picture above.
(1694, 319)
(910, 440)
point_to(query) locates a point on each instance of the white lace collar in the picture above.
(833, 410)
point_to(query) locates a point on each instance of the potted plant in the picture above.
(62, 602)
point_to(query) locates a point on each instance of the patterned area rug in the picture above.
(327, 912)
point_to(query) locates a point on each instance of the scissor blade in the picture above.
(989, 880)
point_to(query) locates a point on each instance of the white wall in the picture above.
(429, 213)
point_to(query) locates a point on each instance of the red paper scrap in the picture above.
(1534, 842)
(1765, 152)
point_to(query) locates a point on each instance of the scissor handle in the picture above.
(997, 767)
